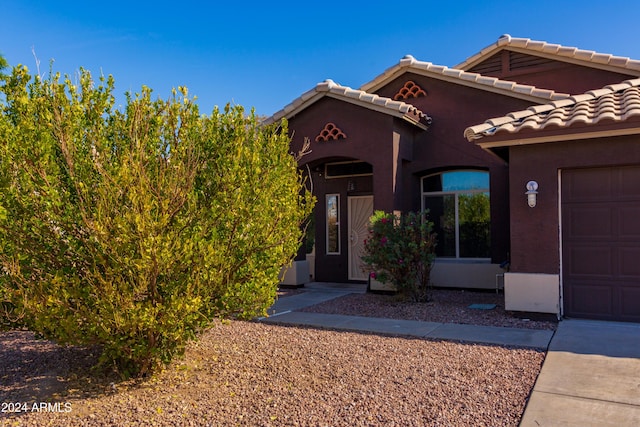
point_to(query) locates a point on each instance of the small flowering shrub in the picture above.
(400, 251)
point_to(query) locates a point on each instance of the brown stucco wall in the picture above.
(370, 138)
(401, 154)
(535, 231)
(570, 78)
(453, 108)
(373, 137)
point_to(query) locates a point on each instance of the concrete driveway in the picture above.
(590, 377)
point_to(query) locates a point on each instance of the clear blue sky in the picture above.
(265, 54)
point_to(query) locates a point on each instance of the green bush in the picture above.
(400, 250)
(133, 228)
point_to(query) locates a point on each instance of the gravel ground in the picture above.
(447, 306)
(254, 374)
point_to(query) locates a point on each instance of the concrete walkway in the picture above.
(283, 312)
(590, 377)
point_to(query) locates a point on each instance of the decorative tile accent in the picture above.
(409, 90)
(330, 132)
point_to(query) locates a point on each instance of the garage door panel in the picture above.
(629, 178)
(582, 219)
(601, 243)
(591, 261)
(585, 185)
(630, 302)
(629, 263)
(591, 299)
(629, 221)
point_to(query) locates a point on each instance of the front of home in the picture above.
(410, 140)
(580, 244)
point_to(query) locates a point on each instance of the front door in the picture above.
(360, 209)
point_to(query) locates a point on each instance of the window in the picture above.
(458, 204)
(346, 169)
(333, 224)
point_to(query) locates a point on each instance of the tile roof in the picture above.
(555, 51)
(615, 103)
(458, 76)
(359, 97)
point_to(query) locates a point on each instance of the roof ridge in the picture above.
(408, 62)
(329, 87)
(557, 50)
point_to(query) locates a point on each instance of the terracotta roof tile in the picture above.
(367, 100)
(505, 84)
(617, 102)
(559, 52)
(410, 64)
(519, 115)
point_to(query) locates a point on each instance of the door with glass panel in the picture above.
(360, 209)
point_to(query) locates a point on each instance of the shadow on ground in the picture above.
(36, 370)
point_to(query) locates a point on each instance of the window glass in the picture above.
(459, 206)
(344, 169)
(473, 218)
(465, 180)
(333, 224)
(442, 213)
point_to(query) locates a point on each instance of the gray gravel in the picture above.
(254, 374)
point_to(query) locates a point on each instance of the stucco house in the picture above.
(467, 143)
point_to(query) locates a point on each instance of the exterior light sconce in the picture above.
(532, 193)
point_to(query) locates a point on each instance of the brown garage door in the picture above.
(601, 243)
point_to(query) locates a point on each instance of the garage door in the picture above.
(601, 243)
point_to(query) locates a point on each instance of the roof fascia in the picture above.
(290, 112)
(377, 108)
(392, 74)
(576, 61)
(488, 145)
(496, 48)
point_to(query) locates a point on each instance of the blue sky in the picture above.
(265, 54)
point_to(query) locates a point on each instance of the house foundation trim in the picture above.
(532, 292)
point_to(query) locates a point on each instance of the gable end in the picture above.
(507, 63)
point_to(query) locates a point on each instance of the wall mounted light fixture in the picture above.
(532, 193)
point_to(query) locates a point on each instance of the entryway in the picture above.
(360, 209)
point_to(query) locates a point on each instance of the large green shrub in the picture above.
(400, 250)
(133, 228)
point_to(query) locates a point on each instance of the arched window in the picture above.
(458, 204)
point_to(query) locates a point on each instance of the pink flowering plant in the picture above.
(400, 251)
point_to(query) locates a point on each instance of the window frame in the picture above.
(456, 194)
(337, 224)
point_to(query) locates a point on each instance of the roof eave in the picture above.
(491, 142)
(399, 69)
(293, 109)
(552, 51)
